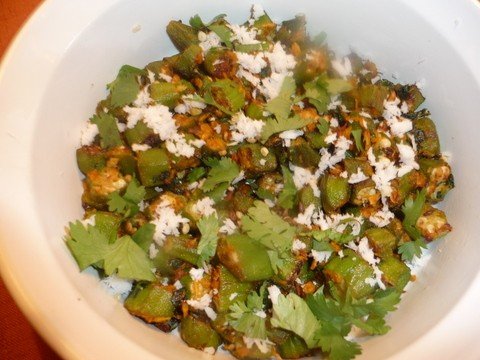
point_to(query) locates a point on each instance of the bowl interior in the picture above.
(377, 30)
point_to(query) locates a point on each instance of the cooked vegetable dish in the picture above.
(259, 192)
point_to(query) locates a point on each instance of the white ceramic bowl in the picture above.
(56, 71)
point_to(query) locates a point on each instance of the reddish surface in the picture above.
(18, 340)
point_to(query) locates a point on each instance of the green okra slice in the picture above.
(306, 197)
(186, 63)
(153, 166)
(372, 97)
(433, 223)
(221, 63)
(382, 241)
(169, 94)
(350, 272)
(335, 192)
(255, 161)
(439, 178)
(151, 302)
(182, 35)
(244, 258)
(364, 193)
(426, 137)
(301, 154)
(230, 289)
(198, 334)
(90, 158)
(411, 95)
(138, 134)
(395, 272)
(243, 199)
(182, 247)
(126, 160)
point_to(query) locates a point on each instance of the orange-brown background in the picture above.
(18, 340)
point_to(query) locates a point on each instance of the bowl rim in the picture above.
(465, 314)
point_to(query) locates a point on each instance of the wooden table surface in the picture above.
(18, 340)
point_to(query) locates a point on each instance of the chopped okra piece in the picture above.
(198, 334)
(90, 158)
(169, 94)
(153, 166)
(372, 97)
(404, 186)
(306, 197)
(230, 289)
(254, 161)
(182, 35)
(244, 258)
(395, 272)
(411, 95)
(353, 165)
(138, 134)
(439, 178)
(182, 247)
(426, 137)
(433, 224)
(382, 241)
(187, 62)
(152, 303)
(301, 154)
(98, 184)
(335, 192)
(221, 63)
(126, 160)
(195, 289)
(364, 193)
(350, 272)
(269, 185)
(243, 199)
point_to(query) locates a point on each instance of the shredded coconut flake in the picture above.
(196, 274)
(166, 222)
(228, 227)
(88, 134)
(273, 293)
(321, 256)
(243, 127)
(204, 207)
(357, 177)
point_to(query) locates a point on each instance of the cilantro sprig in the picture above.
(412, 209)
(245, 316)
(221, 174)
(123, 257)
(128, 203)
(207, 246)
(125, 88)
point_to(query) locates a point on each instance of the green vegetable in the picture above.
(246, 259)
(207, 246)
(412, 209)
(152, 303)
(224, 94)
(153, 166)
(125, 88)
(122, 257)
(128, 203)
(286, 197)
(223, 172)
(181, 35)
(426, 137)
(198, 334)
(230, 290)
(107, 127)
(90, 158)
(335, 192)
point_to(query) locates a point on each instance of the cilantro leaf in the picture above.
(281, 105)
(87, 244)
(337, 86)
(223, 32)
(107, 127)
(337, 347)
(207, 246)
(196, 174)
(286, 198)
(196, 22)
(90, 246)
(262, 224)
(317, 94)
(144, 236)
(244, 316)
(412, 209)
(273, 126)
(127, 204)
(125, 88)
(224, 94)
(128, 260)
(357, 135)
(223, 172)
(323, 126)
(292, 313)
(411, 249)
